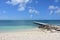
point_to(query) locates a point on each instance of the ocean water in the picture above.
(52, 22)
(13, 25)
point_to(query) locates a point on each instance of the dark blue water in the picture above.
(9, 25)
(52, 22)
(16, 22)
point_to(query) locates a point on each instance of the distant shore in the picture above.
(31, 34)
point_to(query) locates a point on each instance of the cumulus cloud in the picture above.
(53, 9)
(33, 11)
(57, 11)
(21, 8)
(56, 0)
(21, 3)
(51, 12)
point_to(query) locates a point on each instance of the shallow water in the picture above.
(13, 25)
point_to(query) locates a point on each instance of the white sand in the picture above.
(33, 34)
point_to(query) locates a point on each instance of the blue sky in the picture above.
(29, 9)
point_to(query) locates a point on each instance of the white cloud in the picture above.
(51, 7)
(51, 12)
(21, 8)
(33, 11)
(21, 3)
(8, 2)
(56, 0)
(54, 9)
(57, 11)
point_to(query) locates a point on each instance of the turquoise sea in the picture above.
(13, 25)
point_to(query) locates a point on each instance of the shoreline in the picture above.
(19, 30)
(31, 34)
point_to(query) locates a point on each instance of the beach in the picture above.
(31, 34)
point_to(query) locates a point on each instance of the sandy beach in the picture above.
(32, 34)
